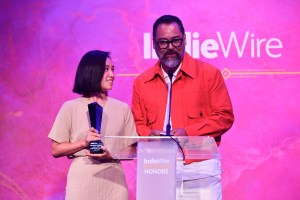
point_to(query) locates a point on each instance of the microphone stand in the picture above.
(168, 128)
(168, 131)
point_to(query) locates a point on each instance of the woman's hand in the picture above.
(91, 135)
(103, 156)
(67, 148)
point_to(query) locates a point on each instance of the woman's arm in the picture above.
(66, 148)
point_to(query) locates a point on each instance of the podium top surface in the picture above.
(193, 147)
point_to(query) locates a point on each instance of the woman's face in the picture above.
(108, 76)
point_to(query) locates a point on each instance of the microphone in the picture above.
(168, 128)
(170, 74)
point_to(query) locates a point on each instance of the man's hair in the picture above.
(167, 19)
(90, 72)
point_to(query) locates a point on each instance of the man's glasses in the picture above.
(164, 44)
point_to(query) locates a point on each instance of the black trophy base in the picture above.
(95, 147)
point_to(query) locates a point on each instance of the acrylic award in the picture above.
(95, 113)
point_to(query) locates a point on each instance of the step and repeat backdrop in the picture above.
(255, 44)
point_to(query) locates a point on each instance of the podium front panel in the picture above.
(156, 173)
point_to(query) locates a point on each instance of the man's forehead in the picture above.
(168, 30)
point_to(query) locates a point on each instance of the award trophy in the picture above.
(95, 113)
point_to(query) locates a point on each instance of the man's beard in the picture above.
(171, 62)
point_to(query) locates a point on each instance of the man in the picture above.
(200, 103)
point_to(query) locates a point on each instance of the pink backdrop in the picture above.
(254, 43)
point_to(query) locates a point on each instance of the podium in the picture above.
(159, 159)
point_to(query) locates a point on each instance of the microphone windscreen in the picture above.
(170, 74)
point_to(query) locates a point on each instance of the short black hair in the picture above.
(167, 19)
(89, 73)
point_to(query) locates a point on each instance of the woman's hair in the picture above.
(89, 73)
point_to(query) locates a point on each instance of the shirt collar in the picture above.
(174, 74)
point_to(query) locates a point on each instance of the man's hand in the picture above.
(178, 132)
(156, 132)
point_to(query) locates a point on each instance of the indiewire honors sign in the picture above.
(156, 169)
(158, 166)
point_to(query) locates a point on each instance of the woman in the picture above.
(92, 176)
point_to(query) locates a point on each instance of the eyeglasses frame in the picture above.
(170, 42)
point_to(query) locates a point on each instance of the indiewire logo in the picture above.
(213, 48)
(156, 166)
(156, 161)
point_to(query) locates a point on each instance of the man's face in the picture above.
(169, 54)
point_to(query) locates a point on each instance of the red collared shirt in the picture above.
(200, 100)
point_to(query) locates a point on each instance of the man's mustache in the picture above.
(170, 53)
